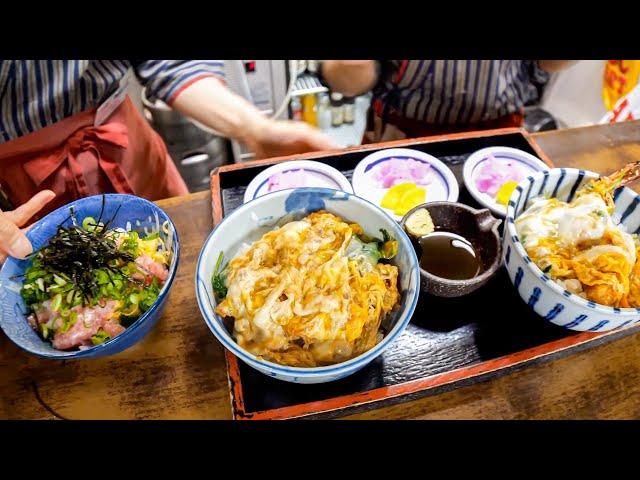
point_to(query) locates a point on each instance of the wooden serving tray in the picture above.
(449, 343)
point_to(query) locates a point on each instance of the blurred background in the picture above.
(290, 89)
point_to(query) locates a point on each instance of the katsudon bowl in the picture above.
(253, 219)
(126, 212)
(546, 297)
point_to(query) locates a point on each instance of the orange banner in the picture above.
(620, 77)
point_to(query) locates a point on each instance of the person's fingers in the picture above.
(315, 139)
(12, 240)
(24, 212)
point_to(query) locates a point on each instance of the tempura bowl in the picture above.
(547, 298)
(253, 219)
(140, 213)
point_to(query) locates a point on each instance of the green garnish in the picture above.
(68, 322)
(130, 245)
(56, 302)
(373, 249)
(219, 279)
(72, 258)
(388, 246)
(89, 223)
(100, 337)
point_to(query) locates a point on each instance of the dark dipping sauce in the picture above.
(449, 256)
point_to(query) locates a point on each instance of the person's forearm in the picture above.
(350, 77)
(553, 66)
(211, 103)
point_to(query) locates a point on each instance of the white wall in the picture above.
(574, 96)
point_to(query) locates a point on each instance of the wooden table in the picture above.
(178, 370)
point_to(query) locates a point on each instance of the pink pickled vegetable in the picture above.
(293, 179)
(495, 173)
(396, 171)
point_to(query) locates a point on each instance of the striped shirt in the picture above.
(456, 91)
(37, 93)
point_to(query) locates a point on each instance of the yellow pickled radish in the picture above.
(393, 195)
(410, 199)
(504, 194)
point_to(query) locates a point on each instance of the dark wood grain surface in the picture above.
(178, 370)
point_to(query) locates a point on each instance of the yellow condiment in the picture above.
(504, 194)
(410, 199)
(309, 110)
(393, 195)
(403, 197)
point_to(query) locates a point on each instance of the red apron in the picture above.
(75, 159)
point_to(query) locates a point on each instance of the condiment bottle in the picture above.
(324, 111)
(349, 109)
(296, 109)
(312, 66)
(309, 112)
(337, 113)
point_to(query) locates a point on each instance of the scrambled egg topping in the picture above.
(150, 248)
(581, 248)
(305, 295)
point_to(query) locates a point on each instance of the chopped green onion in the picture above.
(89, 223)
(56, 302)
(100, 337)
(59, 280)
(40, 283)
(44, 330)
(219, 279)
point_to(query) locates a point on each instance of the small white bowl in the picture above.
(327, 177)
(507, 154)
(443, 187)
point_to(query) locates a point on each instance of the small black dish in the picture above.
(479, 227)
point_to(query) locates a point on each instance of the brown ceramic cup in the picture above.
(479, 227)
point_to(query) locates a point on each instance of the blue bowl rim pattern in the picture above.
(511, 228)
(351, 364)
(91, 351)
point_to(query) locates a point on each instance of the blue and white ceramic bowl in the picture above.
(542, 294)
(253, 219)
(141, 214)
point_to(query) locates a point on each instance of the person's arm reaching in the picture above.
(350, 77)
(553, 66)
(212, 104)
(13, 240)
(195, 89)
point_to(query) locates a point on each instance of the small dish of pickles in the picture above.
(492, 174)
(398, 179)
